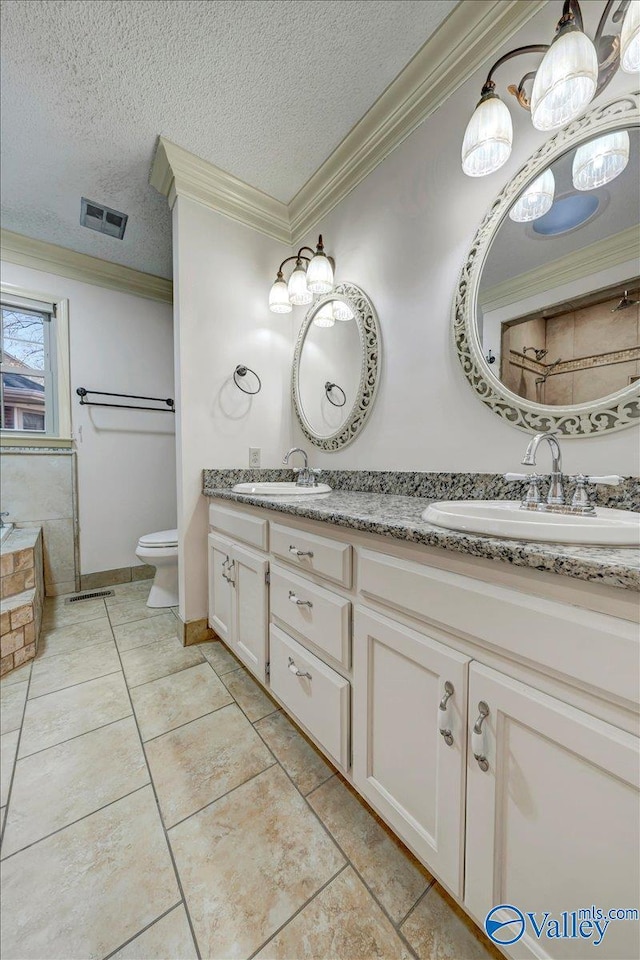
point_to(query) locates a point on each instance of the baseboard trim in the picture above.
(194, 631)
(108, 578)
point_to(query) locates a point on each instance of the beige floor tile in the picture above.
(170, 937)
(248, 862)
(129, 610)
(68, 713)
(57, 613)
(8, 748)
(172, 701)
(342, 923)
(305, 765)
(125, 592)
(220, 658)
(74, 636)
(19, 675)
(438, 929)
(100, 767)
(198, 763)
(81, 893)
(12, 700)
(158, 659)
(250, 696)
(391, 873)
(139, 632)
(66, 669)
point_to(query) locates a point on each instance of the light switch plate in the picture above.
(254, 456)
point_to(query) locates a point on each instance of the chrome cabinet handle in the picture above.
(300, 553)
(224, 570)
(477, 736)
(230, 579)
(300, 603)
(294, 669)
(444, 714)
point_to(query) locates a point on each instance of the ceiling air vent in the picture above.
(95, 216)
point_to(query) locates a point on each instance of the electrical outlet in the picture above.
(254, 456)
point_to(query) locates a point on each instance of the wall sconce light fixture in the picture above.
(574, 70)
(310, 275)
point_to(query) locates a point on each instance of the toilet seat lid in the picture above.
(163, 538)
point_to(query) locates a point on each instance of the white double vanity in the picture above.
(487, 712)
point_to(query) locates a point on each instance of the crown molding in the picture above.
(620, 248)
(176, 172)
(26, 252)
(469, 37)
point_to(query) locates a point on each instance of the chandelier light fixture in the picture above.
(600, 161)
(574, 70)
(310, 276)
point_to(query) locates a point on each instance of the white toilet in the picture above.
(160, 550)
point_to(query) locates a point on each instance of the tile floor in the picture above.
(157, 805)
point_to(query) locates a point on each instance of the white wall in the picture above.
(222, 275)
(126, 459)
(402, 235)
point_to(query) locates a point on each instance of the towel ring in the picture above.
(328, 387)
(242, 371)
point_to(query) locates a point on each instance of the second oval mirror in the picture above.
(335, 368)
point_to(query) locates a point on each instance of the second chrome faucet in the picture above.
(555, 501)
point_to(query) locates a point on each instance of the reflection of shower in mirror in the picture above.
(625, 303)
(539, 352)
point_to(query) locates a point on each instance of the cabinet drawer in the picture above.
(570, 641)
(319, 698)
(327, 558)
(318, 615)
(241, 526)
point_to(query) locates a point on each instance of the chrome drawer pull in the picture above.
(300, 553)
(477, 736)
(444, 714)
(296, 600)
(294, 669)
(224, 569)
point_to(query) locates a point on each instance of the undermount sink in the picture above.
(504, 518)
(282, 488)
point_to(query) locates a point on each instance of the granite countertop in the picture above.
(401, 517)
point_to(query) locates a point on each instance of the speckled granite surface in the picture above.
(400, 516)
(430, 486)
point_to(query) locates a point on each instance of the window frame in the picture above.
(56, 344)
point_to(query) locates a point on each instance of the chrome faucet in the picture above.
(5, 513)
(555, 495)
(306, 475)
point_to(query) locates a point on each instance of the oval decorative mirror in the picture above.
(336, 367)
(547, 309)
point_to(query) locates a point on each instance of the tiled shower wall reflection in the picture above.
(38, 488)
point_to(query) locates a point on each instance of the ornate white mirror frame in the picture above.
(369, 332)
(614, 412)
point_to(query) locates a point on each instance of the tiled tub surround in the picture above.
(160, 799)
(392, 505)
(39, 487)
(22, 596)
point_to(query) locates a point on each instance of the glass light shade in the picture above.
(600, 161)
(299, 292)
(630, 39)
(488, 138)
(536, 200)
(279, 298)
(320, 274)
(324, 316)
(341, 311)
(565, 81)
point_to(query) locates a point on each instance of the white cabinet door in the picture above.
(553, 822)
(401, 763)
(249, 636)
(220, 589)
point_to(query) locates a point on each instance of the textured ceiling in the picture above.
(265, 89)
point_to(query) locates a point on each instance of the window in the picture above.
(33, 369)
